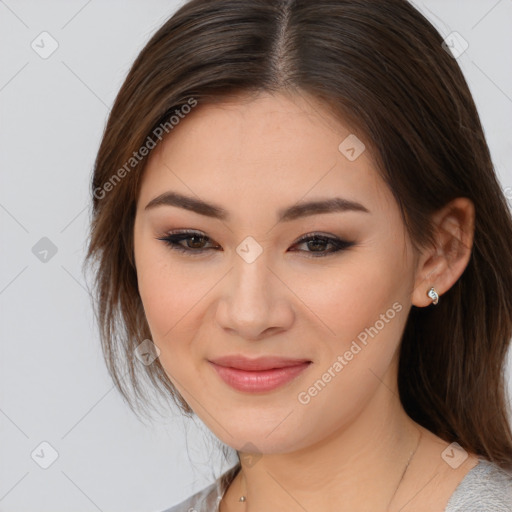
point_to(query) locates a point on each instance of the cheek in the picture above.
(166, 302)
(346, 299)
(166, 295)
(354, 363)
(362, 310)
(173, 296)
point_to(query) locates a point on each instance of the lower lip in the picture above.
(258, 381)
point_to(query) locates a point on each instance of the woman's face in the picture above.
(255, 289)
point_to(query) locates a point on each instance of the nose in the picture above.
(255, 303)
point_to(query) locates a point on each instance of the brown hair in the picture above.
(381, 67)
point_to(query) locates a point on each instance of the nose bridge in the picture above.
(251, 277)
(251, 301)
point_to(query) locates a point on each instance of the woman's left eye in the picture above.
(195, 243)
(321, 241)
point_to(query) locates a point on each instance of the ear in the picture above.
(442, 265)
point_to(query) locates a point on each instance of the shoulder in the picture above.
(203, 501)
(485, 487)
(207, 499)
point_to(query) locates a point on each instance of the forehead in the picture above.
(272, 149)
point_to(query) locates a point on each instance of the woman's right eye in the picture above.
(195, 247)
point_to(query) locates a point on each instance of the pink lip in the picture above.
(258, 375)
(240, 362)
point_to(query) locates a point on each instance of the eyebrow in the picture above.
(336, 204)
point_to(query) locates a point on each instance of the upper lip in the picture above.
(261, 363)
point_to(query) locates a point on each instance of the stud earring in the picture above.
(433, 295)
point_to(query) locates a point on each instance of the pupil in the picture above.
(315, 243)
(197, 239)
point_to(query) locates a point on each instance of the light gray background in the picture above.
(53, 383)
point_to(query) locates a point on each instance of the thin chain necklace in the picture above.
(243, 498)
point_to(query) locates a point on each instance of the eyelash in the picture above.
(173, 239)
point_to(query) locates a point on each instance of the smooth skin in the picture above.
(346, 449)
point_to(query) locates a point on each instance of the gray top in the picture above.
(485, 488)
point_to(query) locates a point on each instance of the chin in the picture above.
(253, 434)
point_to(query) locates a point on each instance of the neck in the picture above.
(358, 467)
